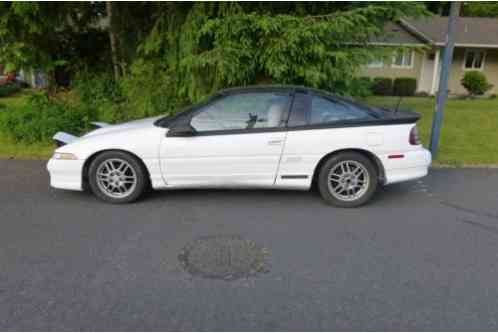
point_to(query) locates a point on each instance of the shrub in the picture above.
(405, 86)
(152, 89)
(8, 89)
(147, 90)
(476, 83)
(361, 87)
(40, 118)
(101, 96)
(422, 94)
(382, 86)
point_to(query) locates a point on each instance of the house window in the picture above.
(403, 59)
(376, 63)
(474, 59)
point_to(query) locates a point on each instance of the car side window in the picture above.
(324, 110)
(243, 112)
(299, 115)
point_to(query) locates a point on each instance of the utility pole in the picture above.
(442, 93)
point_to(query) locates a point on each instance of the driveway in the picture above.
(422, 256)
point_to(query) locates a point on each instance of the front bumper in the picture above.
(415, 164)
(66, 174)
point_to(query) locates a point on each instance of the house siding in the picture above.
(388, 71)
(456, 74)
(457, 71)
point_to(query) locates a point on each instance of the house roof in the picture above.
(397, 34)
(470, 31)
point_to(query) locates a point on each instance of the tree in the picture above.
(214, 45)
(113, 39)
(48, 36)
(441, 8)
(480, 9)
(196, 48)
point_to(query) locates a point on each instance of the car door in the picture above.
(237, 141)
(317, 126)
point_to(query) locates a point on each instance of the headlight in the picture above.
(64, 156)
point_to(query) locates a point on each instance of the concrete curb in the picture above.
(464, 166)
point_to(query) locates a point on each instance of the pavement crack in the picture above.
(469, 210)
(488, 228)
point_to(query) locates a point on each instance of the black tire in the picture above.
(140, 185)
(334, 162)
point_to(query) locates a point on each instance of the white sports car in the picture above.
(278, 137)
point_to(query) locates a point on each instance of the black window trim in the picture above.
(333, 124)
(379, 121)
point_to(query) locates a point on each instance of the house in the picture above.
(33, 78)
(476, 48)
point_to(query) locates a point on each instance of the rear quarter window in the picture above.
(324, 110)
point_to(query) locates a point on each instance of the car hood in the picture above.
(136, 124)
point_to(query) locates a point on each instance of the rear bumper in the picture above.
(66, 174)
(413, 165)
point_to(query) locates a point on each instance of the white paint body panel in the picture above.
(305, 148)
(222, 160)
(140, 138)
(66, 174)
(241, 160)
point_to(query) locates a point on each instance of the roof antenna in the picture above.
(398, 104)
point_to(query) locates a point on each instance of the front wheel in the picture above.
(347, 180)
(117, 177)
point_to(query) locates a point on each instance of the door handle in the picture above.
(276, 142)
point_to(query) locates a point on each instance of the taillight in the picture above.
(414, 137)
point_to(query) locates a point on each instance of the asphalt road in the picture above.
(422, 256)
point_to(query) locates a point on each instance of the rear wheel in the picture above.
(348, 180)
(117, 177)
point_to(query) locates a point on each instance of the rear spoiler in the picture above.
(404, 117)
(390, 116)
(63, 138)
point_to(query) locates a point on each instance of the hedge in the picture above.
(405, 86)
(361, 87)
(40, 118)
(8, 89)
(382, 86)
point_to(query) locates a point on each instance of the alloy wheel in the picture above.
(116, 178)
(348, 180)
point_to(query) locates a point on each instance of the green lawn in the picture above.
(11, 149)
(469, 135)
(470, 127)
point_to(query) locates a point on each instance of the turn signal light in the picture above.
(64, 156)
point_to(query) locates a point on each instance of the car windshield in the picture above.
(167, 120)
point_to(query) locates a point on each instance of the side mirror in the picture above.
(181, 130)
